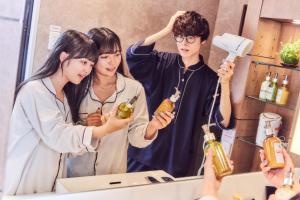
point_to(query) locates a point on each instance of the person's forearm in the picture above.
(157, 36)
(150, 132)
(225, 104)
(100, 131)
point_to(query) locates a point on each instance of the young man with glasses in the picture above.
(175, 151)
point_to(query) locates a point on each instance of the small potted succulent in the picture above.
(289, 53)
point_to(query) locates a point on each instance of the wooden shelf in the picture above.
(274, 65)
(289, 107)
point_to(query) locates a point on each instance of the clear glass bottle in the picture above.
(264, 86)
(286, 192)
(126, 109)
(283, 92)
(168, 104)
(272, 89)
(273, 149)
(220, 161)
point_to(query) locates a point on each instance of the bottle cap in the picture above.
(288, 179)
(175, 96)
(268, 76)
(275, 79)
(268, 128)
(208, 136)
(285, 81)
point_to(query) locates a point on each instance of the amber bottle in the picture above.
(168, 104)
(220, 161)
(273, 149)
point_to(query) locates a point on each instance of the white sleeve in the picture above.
(137, 129)
(48, 122)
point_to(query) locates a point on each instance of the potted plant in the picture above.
(289, 53)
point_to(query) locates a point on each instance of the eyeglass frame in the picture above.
(182, 38)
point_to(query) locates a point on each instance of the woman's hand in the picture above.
(276, 176)
(94, 119)
(112, 123)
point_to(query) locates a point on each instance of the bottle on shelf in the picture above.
(283, 92)
(220, 161)
(264, 85)
(168, 104)
(125, 109)
(273, 148)
(272, 89)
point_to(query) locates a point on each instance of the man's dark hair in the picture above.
(191, 23)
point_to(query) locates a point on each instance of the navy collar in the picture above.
(194, 67)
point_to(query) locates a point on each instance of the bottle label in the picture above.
(279, 95)
(278, 153)
(269, 93)
(262, 94)
(263, 90)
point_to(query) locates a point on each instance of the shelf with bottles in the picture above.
(257, 63)
(271, 92)
(287, 106)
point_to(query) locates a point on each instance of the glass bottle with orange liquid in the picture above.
(220, 161)
(168, 104)
(273, 148)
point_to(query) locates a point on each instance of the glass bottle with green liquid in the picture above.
(220, 161)
(264, 86)
(125, 109)
(272, 89)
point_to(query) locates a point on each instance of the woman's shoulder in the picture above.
(132, 83)
(33, 88)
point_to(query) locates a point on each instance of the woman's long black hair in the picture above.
(107, 42)
(77, 45)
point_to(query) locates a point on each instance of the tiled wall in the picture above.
(10, 34)
(131, 20)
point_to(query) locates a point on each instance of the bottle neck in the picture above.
(269, 132)
(209, 137)
(133, 100)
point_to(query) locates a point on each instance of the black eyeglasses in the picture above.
(188, 39)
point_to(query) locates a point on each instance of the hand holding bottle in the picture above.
(222, 164)
(211, 183)
(94, 119)
(112, 124)
(161, 120)
(158, 122)
(276, 176)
